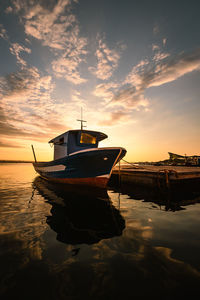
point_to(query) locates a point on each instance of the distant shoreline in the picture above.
(16, 161)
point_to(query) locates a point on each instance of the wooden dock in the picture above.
(161, 177)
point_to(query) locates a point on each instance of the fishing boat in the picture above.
(78, 160)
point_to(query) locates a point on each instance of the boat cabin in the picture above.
(76, 140)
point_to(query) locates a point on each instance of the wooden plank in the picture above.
(155, 176)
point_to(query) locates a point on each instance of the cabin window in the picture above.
(60, 141)
(87, 138)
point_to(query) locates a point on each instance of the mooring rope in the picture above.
(139, 167)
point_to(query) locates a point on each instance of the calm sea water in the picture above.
(61, 244)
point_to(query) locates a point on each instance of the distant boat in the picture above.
(79, 161)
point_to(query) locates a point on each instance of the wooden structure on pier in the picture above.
(160, 177)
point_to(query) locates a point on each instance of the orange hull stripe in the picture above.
(95, 181)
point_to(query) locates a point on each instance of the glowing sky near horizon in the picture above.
(133, 66)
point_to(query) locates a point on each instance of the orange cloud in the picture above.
(160, 56)
(57, 28)
(173, 69)
(7, 144)
(67, 67)
(35, 115)
(164, 69)
(130, 98)
(105, 91)
(107, 61)
(15, 49)
(115, 118)
(3, 33)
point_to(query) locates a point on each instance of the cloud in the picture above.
(67, 67)
(129, 98)
(77, 99)
(164, 41)
(161, 70)
(9, 130)
(49, 26)
(3, 32)
(105, 91)
(57, 28)
(67, 63)
(172, 69)
(8, 10)
(25, 85)
(107, 61)
(27, 108)
(115, 118)
(155, 47)
(5, 144)
(15, 49)
(160, 56)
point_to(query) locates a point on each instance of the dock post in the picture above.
(119, 175)
(34, 153)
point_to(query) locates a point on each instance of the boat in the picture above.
(79, 161)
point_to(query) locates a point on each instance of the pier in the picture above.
(180, 178)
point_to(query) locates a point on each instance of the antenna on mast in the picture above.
(81, 120)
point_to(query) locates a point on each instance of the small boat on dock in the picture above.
(79, 161)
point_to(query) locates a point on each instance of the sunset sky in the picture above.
(133, 66)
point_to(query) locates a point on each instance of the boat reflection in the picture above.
(79, 216)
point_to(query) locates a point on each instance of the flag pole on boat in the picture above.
(34, 153)
(81, 120)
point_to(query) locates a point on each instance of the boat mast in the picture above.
(81, 120)
(34, 153)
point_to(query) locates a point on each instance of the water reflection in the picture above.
(155, 255)
(171, 200)
(79, 218)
